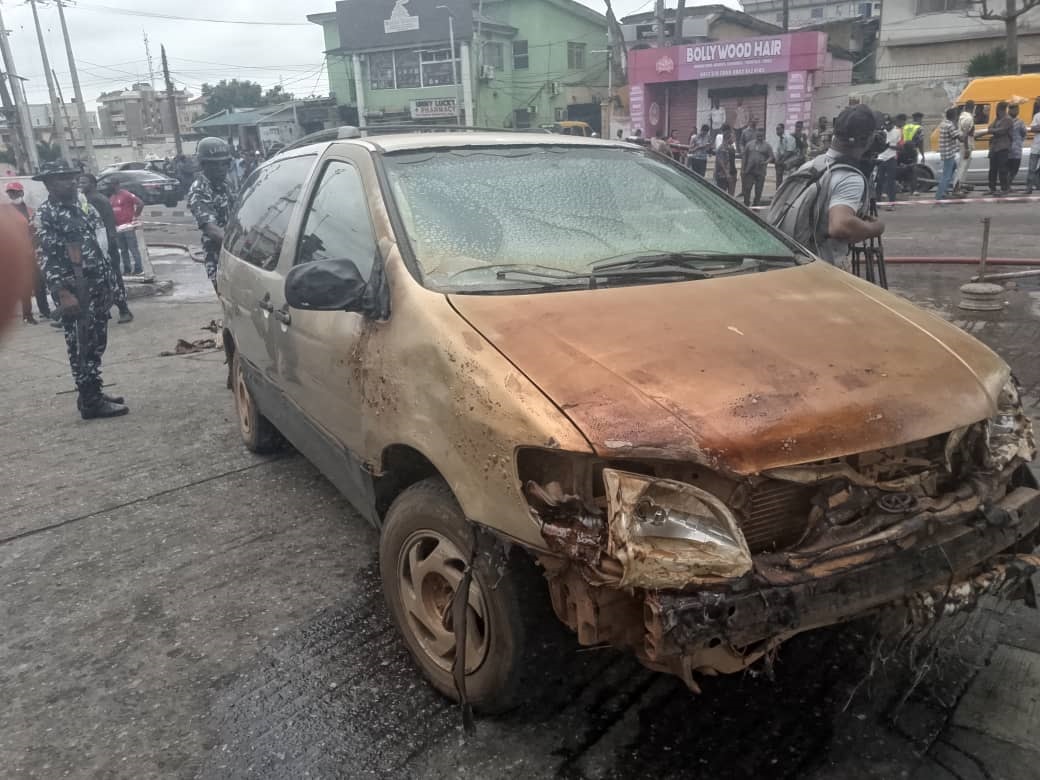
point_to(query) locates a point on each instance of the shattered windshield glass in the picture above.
(533, 217)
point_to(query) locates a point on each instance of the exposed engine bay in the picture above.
(701, 572)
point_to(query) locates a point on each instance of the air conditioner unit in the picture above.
(487, 72)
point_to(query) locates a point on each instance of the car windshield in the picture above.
(532, 217)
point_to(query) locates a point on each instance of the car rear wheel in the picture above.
(424, 549)
(258, 434)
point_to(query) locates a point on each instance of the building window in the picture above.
(410, 68)
(520, 60)
(437, 67)
(940, 6)
(865, 9)
(816, 12)
(494, 56)
(521, 118)
(576, 56)
(381, 70)
(407, 69)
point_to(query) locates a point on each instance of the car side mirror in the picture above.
(326, 285)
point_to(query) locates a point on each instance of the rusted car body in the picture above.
(703, 468)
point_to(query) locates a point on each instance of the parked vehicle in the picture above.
(978, 169)
(987, 92)
(707, 440)
(152, 188)
(569, 127)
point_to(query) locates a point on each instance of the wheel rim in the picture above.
(430, 569)
(243, 402)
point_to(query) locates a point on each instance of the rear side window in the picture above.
(337, 225)
(265, 207)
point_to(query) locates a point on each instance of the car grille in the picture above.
(777, 515)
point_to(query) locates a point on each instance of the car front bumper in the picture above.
(947, 573)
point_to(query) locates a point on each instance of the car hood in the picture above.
(744, 373)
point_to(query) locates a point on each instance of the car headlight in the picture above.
(671, 534)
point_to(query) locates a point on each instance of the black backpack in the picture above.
(797, 208)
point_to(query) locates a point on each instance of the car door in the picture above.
(250, 282)
(321, 370)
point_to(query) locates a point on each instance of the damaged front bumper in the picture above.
(708, 632)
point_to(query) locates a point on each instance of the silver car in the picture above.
(978, 169)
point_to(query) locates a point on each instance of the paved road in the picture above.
(175, 607)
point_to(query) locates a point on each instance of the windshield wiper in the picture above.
(681, 260)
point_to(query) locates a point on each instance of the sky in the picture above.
(108, 42)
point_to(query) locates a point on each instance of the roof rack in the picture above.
(347, 132)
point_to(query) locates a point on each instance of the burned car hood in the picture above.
(744, 373)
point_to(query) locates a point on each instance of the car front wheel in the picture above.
(424, 550)
(258, 434)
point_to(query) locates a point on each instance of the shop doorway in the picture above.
(752, 98)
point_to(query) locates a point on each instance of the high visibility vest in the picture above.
(909, 131)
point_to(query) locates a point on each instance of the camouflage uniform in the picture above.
(58, 224)
(210, 203)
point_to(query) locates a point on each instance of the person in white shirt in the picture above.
(1033, 176)
(717, 116)
(888, 163)
(966, 128)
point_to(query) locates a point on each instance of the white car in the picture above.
(978, 168)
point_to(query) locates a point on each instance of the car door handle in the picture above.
(282, 315)
(265, 303)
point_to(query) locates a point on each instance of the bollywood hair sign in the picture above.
(802, 51)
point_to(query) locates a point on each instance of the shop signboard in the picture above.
(433, 108)
(803, 51)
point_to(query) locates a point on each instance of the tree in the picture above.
(988, 63)
(241, 94)
(48, 152)
(1013, 9)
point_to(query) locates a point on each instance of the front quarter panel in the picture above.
(431, 382)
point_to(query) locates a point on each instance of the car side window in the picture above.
(265, 207)
(337, 225)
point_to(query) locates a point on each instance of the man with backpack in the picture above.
(825, 204)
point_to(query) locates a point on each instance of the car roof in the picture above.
(400, 142)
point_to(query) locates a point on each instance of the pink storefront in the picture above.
(772, 78)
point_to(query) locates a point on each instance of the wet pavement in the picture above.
(176, 607)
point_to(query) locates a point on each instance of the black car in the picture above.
(152, 188)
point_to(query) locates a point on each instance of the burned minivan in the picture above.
(567, 372)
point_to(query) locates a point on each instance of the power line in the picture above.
(174, 17)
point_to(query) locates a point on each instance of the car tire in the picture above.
(426, 535)
(170, 203)
(926, 178)
(258, 434)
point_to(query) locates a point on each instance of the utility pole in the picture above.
(786, 15)
(172, 103)
(11, 114)
(151, 67)
(64, 110)
(81, 108)
(659, 20)
(28, 139)
(59, 125)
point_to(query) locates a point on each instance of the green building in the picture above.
(518, 63)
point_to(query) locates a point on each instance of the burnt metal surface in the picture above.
(810, 364)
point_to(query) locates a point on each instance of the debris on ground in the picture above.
(188, 347)
(215, 326)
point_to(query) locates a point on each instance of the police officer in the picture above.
(88, 186)
(210, 199)
(79, 275)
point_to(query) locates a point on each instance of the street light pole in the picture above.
(454, 65)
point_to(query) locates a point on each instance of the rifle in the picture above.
(75, 254)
